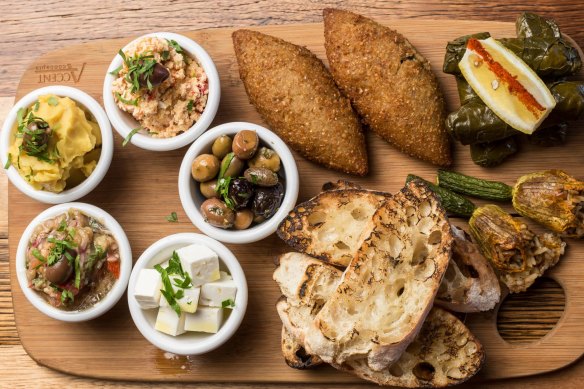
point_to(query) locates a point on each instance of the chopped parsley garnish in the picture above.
(183, 281)
(172, 43)
(229, 303)
(77, 272)
(62, 225)
(190, 105)
(125, 101)
(223, 190)
(116, 71)
(37, 254)
(67, 295)
(8, 161)
(165, 55)
(59, 250)
(173, 217)
(35, 133)
(98, 254)
(168, 291)
(139, 66)
(53, 101)
(130, 135)
(36, 106)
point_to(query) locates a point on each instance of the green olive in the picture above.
(222, 146)
(231, 166)
(243, 219)
(258, 219)
(245, 144)
(261, 176)
(208, 189)
(205, 167)
(267, 158)
(217, 213)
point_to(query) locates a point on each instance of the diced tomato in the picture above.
(114, 268)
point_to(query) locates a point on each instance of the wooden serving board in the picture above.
(140, 190)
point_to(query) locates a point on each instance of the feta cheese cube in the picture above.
(206, 319)
(214, 293)
(147, 289)
(200, 262)
(169, 322)
(188, 303)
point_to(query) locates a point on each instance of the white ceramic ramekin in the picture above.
(114, 294)
(107, 147)
(124, 123)
(191, 197)
(189, 343)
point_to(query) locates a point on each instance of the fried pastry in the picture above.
(298, 99)
(389, 83)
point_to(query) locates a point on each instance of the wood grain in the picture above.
(66, 22)
(129, 190)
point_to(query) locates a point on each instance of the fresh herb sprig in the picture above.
(141, 65)
(126, 101)
(172, 43)
(35, 133)
(224, 182)
(172, 218)
(182, 281)
(130, 135)
(8, 161)
(229, 303)
(60, 248)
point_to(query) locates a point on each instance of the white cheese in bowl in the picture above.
(200, 262)
(147, 290)
(169, 322)
(213, 294)
(206, 319)
(189, 291)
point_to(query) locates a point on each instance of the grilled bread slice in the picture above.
(306, 284)
(294, 353)
(444, 353)
(390, 285)
(470, 283)
(329, 226)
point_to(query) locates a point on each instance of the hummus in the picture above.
(67, 154)
(161, 87)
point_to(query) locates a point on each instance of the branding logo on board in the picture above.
(51, 74)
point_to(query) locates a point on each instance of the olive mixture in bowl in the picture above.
(240, 181)
(72, 260)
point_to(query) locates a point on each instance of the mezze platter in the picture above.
(140, 190)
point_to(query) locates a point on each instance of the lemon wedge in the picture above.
(506, 84)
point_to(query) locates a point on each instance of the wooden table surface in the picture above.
(30, 28)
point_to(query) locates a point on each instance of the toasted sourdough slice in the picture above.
(444, 353)
(294, 353)
(390, 285)
(306, 284)
(470, 283)
(329, 226)
(299, 100)
(390, 84)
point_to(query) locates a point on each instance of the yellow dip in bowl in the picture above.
(56, 144)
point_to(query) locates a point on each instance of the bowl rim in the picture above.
(103, 164)
(114, 294)
(211, 341)
(117, 116)
(261, 230)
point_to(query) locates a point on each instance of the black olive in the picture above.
(267, 200)
(240, 192)
(158, 76)
(60, 271)
(36, 136)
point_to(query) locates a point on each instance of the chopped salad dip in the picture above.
(163, 88)
(72, 260)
